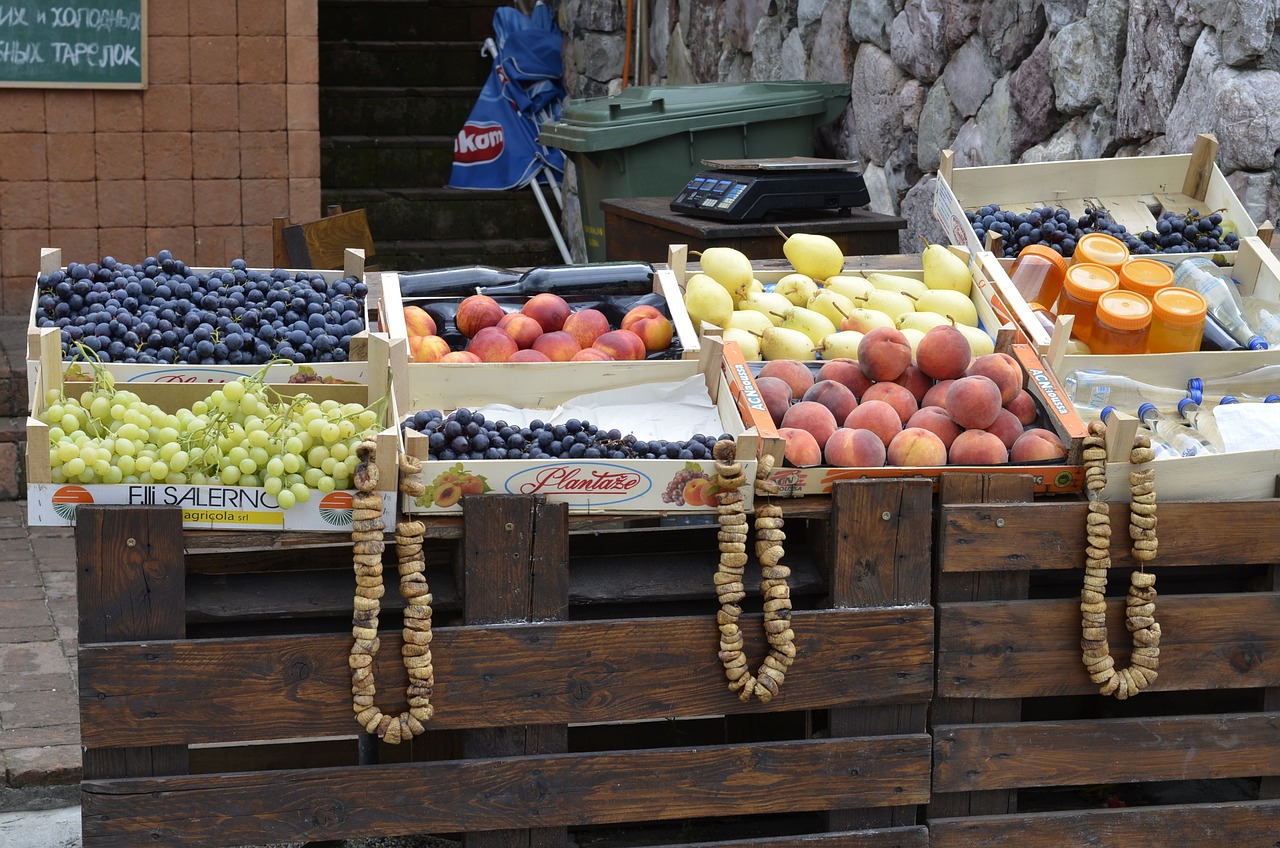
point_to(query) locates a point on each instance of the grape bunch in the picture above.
(1060, 231)
(674, 493)
(464, 434)
(162, 313)
(243, 434)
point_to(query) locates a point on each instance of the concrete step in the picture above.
(394, 111)
(401, 63)
(352, 162)
(408, 20)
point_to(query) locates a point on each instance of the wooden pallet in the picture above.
(1027, 752)
(578, 695)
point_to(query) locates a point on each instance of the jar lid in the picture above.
(1124, 310)
(1145, 276)
(1101, 248)
(1179, 307)
(1087, 281)
(1043, 251)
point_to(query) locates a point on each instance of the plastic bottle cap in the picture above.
(1088, 281)
(1046, 252)
(1124, 310)
(1179, 307)
(1258, 343)
(1101, 248)
(1145, 409)
(1106, 410)
(1229, 400)
(1195, 388)
(1271, 399)
(1182, 405)
(1145, 276)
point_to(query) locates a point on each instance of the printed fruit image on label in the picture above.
(66, 499)
(335, 508)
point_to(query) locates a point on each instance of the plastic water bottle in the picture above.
(1264, 316)
(1161, 447)
(1096, 389)
(1254, 384)
(1222, 298)
(1185, 440)
(1202, 420)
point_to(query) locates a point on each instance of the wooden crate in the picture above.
(1027, 752)
(578, 693)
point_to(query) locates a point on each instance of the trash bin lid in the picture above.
(641, 113)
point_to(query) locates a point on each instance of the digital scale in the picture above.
(756, 189)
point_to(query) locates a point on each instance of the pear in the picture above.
(814, 255)
(949, 302)
(848, 285)
(841, 345)
(706, 300)
(922, 321)
(813, 324)
(748, 342)
(797, 288)
(785, 343)
(944, 270)
(913, 338)
(898, 283)
(831, 304)
(729, 267)
(749, 320)
(865, 320)
(771, 304)
(979, 342)
(890, 303)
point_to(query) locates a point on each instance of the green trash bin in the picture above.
(649, 142)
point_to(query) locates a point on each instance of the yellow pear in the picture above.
(785, 343)
(950, 302)
(817, 256)
(848, 285)
(891, 303)
(922, 321)
(748, 342)
(898, 283)
(813, 324)
(749, 320)
(913, 338)
(797, 288)
(729, 267)
(832, 304)
(841, 345)
(944, 270)
(979, 342)
(771, 304)
(706, 300)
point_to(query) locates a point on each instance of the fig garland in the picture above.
(766, 681)
(1140, 606)
(367, 529)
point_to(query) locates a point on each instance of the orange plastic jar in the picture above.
(1085, 282)
(1177, 320)
(1037, 273)
(1145, 276)
(1101, 249)
(1121, 323)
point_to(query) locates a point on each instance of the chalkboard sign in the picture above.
(73, 43)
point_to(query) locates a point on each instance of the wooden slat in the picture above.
(916, 836)
(1247, 824)
(1050, 535)
(129, 585)
(623, 670)
(1031, 649)
(505, 793)
(1079, 753)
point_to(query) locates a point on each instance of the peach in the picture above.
(845, 371)
(916, 447)
(776, 394)
(1003, 369)
(973, 402)
(520, 327)
(899, 397)
(1006, 427)
(656, 333)
(796, 374)
(915, 381)
(477, 312)
(884, 353)
(1023, 406)
(878, 417)
(586, 325)
(621, 345)
(528, 354)
(558, 346)
(977, 447)
(549, 310)
(460, 356)
(944, 353)
(418, 322)
(1037, 444)
(492, 345)
(801, 448)
(427, 348)
(591, 354)
(936, 396)
(634, 314)
(935, 420)
(811, 416)
(836, 397)
(850, 448)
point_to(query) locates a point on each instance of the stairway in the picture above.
(398, 79)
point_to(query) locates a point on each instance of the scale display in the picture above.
(755, 191)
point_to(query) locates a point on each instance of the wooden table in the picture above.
(641, 228)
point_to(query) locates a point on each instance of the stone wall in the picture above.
(996, 81)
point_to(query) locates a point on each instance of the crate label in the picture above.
(602, 484)
(1049, 391)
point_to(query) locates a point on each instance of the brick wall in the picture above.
(225, 137)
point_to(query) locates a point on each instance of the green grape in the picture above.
(339, 451)
(142, 463)
(164, 435)
(326, 484)
(286, 498)
(259, 456)
(292, 463)
(273, 484)
(130, 431)
(250, 481)
(199, 408)
(329, 433)
(229, 475)
(159, 470)
(311, 477)
(117, 410)
(66, 451)
(341, 473)
(101, 468)
(328, 465)
(69, 422)
(237, 455)
(300, 492)
(56, 475)
(247, 466)
(100, 408)
(56, 434)
(198, 478)
(293, 445)
(113, 476)
(168, 449)
(125, 447)
(73, 467)
(125, 463)
(179, 461)
(85, 476)
(315, 427)
(275, 466)
(317, 455)
(258, 437)
(233, 391)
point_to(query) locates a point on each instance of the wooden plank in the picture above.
(506, 793)
(594, 671)
(1050, 535)
(1078, 753)
(129, 585)
(916, 836)
(1246, 824)
(1028, 649)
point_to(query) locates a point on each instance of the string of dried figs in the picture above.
(1140, 606)
(367, 529)
(767, 680)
